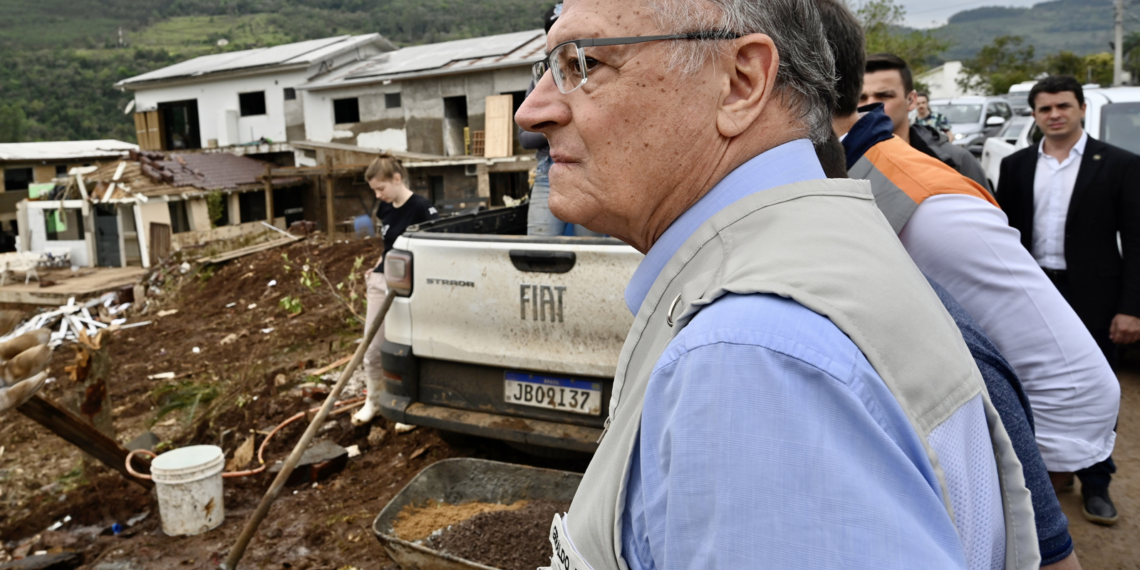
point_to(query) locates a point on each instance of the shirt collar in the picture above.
(788, 163)
(1078, 148)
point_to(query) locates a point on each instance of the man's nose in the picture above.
(544, 109)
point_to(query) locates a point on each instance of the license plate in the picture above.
(563, 394)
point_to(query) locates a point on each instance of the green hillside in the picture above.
(1079, 26)
(60, 58)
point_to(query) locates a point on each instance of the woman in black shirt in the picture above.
(399, 208)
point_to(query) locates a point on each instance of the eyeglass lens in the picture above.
(565, 66)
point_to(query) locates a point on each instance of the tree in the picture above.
(998, 66)
(12, 123)
(883, 26)
(1092, 68)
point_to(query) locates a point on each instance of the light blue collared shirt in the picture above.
(767, 439)
(786, 164)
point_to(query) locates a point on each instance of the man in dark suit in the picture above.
(1069, 197)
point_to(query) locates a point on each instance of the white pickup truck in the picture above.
(501, 335)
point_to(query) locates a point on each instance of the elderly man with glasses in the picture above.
(792, 393)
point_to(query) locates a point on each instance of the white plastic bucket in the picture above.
(189, 486)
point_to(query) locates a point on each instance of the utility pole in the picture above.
(1118, 46)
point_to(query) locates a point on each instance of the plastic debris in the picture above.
(195, 350)
(252, 306)
(273, 283)
(353, 451)
(161, 376)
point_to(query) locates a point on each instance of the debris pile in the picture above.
(74, 320)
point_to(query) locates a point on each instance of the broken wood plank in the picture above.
(80, 434)
(332, 366)
(239, 253)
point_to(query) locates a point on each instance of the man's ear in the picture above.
(911, 101)
(751, 79)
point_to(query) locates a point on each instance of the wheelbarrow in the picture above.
(458, 481)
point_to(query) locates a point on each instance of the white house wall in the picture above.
(217, 97)
(417, 125)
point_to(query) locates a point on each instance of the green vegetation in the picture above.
(59, 59)
(1081, 26)
(1010, 60)
(882, 22)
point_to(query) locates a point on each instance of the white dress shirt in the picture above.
(966, 245)
(1052, 191)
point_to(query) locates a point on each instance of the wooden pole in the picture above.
(330, 189)
(269, 195)
(291, 463)
(80, 434)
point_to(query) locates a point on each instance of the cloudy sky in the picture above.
(933, 13)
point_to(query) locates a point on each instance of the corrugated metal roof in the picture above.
(515, 49)
(305, 53)
(63, 150)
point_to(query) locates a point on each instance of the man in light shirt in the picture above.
(1070, 197)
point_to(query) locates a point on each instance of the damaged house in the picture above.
(137, 211)
(427, 103)
(244, 100)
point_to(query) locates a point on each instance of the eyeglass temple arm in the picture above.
(707, 35)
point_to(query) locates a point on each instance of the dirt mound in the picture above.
(417, 523)
(510, 539)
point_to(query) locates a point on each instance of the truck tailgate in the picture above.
(547, 305)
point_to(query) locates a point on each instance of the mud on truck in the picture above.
(502, 335)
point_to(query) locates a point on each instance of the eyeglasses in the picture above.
(569, 64)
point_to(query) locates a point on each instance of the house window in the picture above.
(60, 170)
(17, 178)
(63, 225)
(251, 205)
(290, 94)
(179, 220)
(252, 103)
(392, 101)
(346, 111)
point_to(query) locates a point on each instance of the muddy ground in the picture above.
(227, 392)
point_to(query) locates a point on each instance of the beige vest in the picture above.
(825, 245)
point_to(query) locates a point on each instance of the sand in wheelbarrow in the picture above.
(508, 539)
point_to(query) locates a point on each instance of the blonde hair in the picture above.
(386, 168)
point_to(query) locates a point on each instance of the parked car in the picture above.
(1018, 97)
(1018, 133)
(973, 119)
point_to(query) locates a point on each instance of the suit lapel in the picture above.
(1090, 164)
(1029, 175)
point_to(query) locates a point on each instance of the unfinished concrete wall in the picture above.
(186, 239)
(198, 211)
(418, 124)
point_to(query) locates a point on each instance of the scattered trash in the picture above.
(116, 529)
(404, 428)
(138, 518)
(273, 283)
(167, 313)
(184, 268)
(195, 350)
(133, 325)
(161, 376)
(353, 451)
(252, 306)
(267, 331)
(230, 338)
(231, 305)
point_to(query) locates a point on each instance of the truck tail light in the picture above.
(398, 272)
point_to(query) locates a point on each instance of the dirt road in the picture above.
(1117, 547)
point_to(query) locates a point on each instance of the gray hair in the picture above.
(805, 81)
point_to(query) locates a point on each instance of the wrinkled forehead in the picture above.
(582, 19)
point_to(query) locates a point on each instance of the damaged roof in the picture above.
(460, 56)
(64, 150)
(321, 52)
(181, 174)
